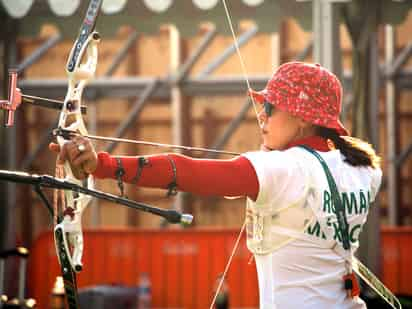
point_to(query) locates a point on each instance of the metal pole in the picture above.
(396, 65)
(214, 64)
(130, 87)
(404, 155)
(305, 52)
(11, 142)
(317, 26)
(2, 275)
(22, 278)
(176, 103)
(122, 54)
(9, 151)
(370, 238)
(230, 129)
(375, 80)
(326, 34)
(136, 109)
(189, 63)
(391, 130)
(39, 52)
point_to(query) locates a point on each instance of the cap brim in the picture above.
(258, 96)
(342, 131)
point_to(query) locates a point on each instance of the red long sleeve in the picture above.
(235, 177)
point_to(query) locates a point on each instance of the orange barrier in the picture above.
(397, 259)
(182, 264)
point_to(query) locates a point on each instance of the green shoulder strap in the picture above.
(338, 208)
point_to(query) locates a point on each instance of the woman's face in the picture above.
(279, 128)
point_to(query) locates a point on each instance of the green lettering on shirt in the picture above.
(336, 235)
(326, 202)
(315, 230)
(352, 233)
(351, 205)
(363, 202)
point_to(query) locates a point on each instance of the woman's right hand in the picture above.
(79, 153)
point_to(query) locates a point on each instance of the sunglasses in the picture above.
(268, 107)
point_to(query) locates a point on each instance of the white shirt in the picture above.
(304, 272)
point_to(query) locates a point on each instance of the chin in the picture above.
(265, 147)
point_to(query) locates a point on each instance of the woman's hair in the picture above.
(356, 151)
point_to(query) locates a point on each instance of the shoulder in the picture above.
(293, 162)
(285, 157)
(376, 179)
(280, 173)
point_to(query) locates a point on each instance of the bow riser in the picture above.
(81, 68)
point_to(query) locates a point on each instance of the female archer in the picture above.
(308, 170)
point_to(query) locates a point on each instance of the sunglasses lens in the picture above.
(268, 108)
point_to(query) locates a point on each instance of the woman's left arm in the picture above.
(234, 177)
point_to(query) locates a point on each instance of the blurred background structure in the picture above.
(168, 72)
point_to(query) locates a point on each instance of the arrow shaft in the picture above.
(153, 144)
(146, 143)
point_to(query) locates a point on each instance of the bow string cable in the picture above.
(245, 76)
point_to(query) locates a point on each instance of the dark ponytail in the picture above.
(356, 151)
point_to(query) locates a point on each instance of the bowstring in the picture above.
(244, 72)
(242, 63)
(222, 279)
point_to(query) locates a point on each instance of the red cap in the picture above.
(308, 91)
